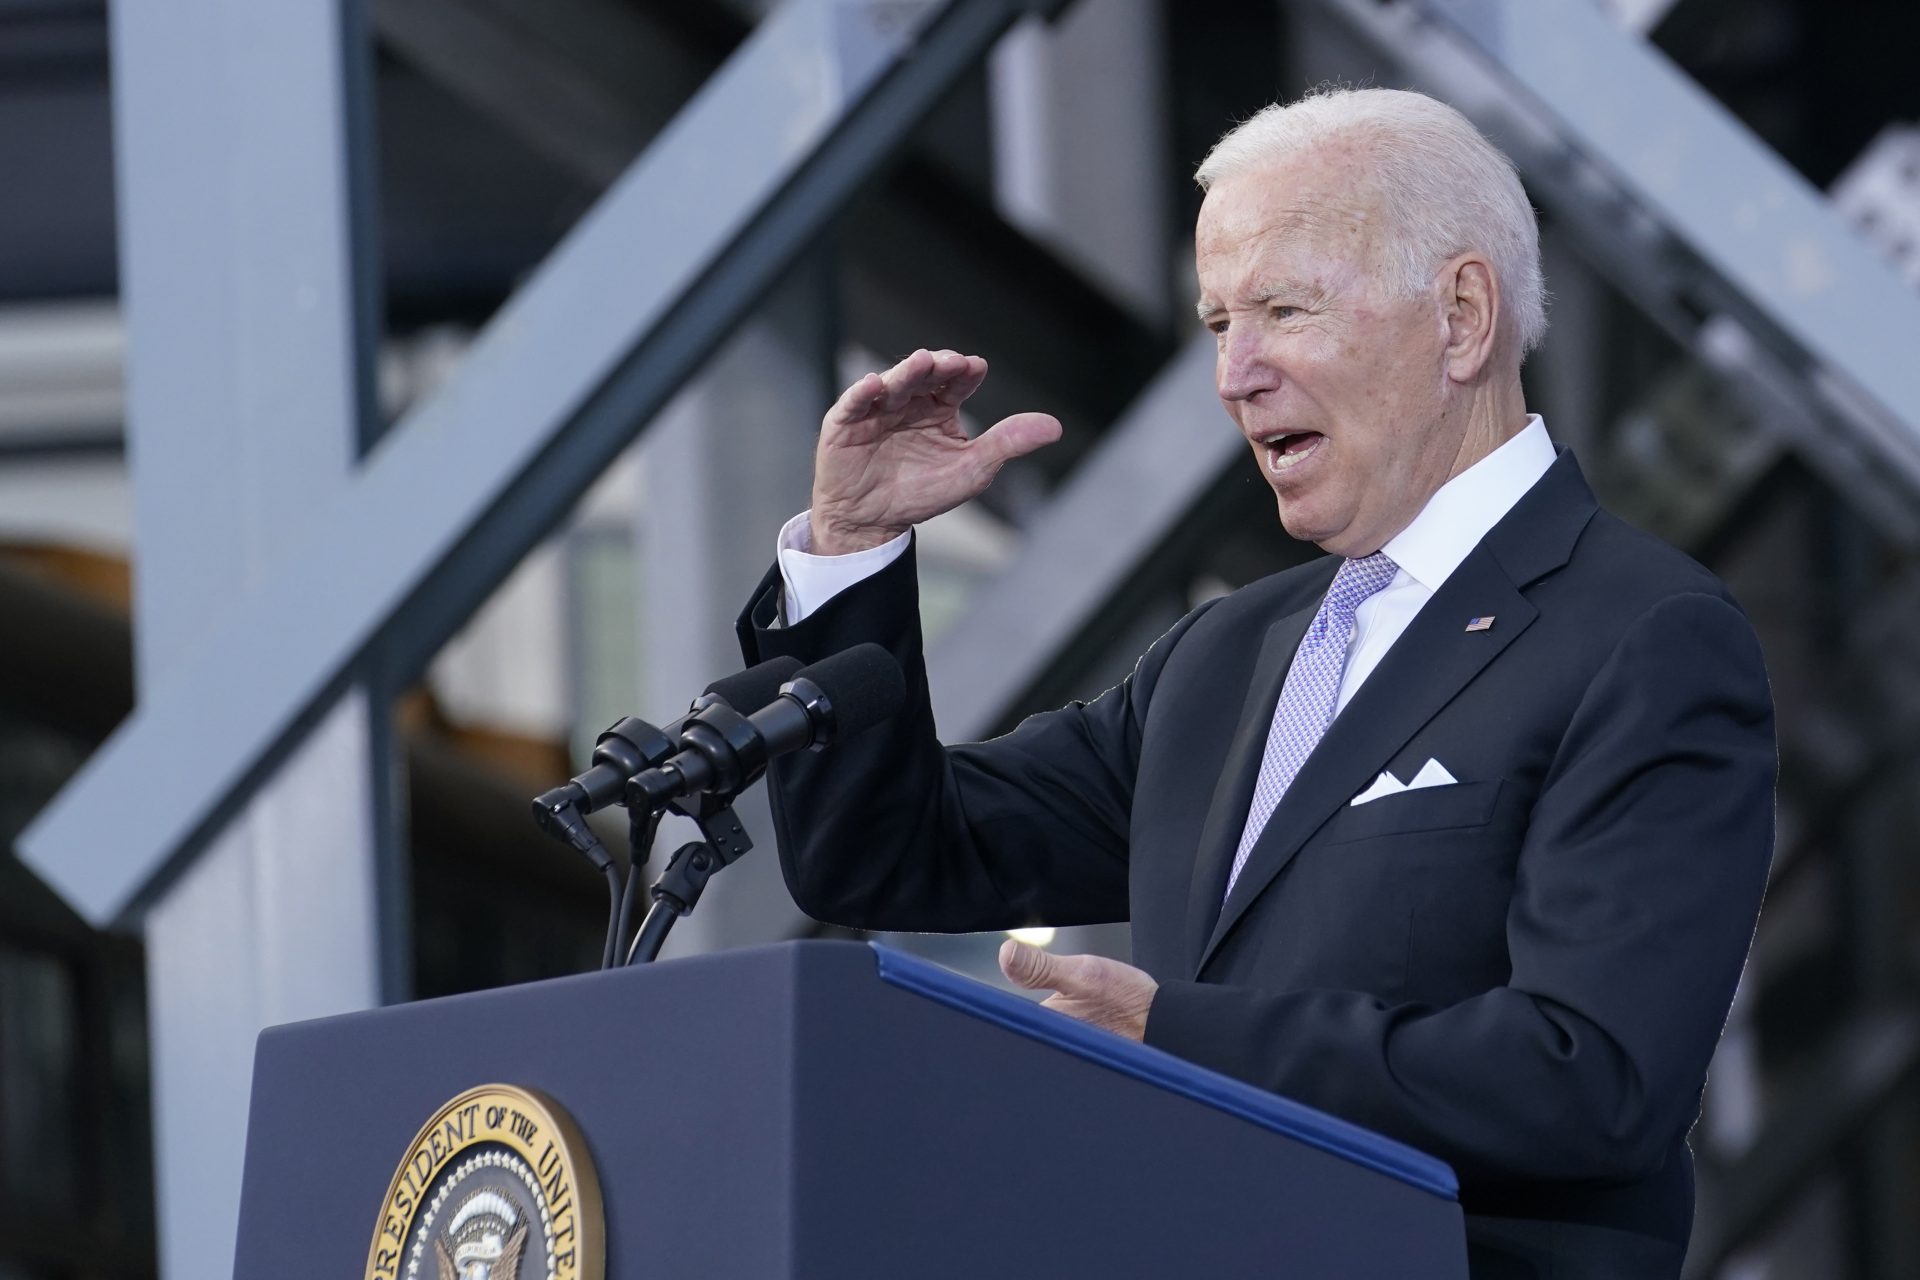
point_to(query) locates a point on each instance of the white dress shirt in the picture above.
(1427, 551)
(1432, 547)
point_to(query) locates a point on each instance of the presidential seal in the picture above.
(498, 1185)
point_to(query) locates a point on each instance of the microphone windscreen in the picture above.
(864, 685)
(750, 690)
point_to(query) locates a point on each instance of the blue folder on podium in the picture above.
(828, 1109)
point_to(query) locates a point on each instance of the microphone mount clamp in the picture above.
(677, 891)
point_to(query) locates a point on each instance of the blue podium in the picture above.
(809, 1109)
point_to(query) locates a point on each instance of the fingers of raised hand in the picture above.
(939, 381)
(905, 379)
(961, 377)
(858, 400)
(944, 376)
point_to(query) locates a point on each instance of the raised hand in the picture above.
(893, 453)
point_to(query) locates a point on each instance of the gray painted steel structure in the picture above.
(1784, 261)
(1688, 209)
(1115, 509)
(721, 470)
(1797, 265)
(248, 303)
(555, 385)
(1058, 343)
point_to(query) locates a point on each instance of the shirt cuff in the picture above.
(809, 581)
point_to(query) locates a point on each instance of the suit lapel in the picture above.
(1427, 667)
(1233, 791)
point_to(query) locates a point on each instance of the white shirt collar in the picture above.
(1467, 506)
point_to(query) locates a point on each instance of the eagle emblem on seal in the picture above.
(483, 1240)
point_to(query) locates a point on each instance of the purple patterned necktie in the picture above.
(1311, 693)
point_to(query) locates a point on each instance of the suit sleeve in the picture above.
(891, 830)
(1636, 891)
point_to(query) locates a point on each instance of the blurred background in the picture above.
(394, 393)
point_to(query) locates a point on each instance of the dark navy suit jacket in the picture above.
(1523, 973)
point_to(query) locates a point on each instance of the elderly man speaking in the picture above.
(1458, 832)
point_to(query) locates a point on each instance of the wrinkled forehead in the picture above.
(1322, 203)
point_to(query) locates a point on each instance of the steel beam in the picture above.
(632, 300)
(248, 297)
(1710, 182)
(61, 388)
(246, 364)
(1058, 344)
(1142, 481)
(485, 56)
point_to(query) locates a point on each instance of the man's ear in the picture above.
(1470, 293)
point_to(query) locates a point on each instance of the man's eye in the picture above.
(1217, 328)
(1285, 313)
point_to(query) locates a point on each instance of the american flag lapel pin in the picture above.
(1480, 624)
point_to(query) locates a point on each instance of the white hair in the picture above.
(1447, 188)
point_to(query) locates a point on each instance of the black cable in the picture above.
(616, 891)
(653, 933)
(640, 833)
(623, 919)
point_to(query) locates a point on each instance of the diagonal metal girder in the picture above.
(547, 74)
(1740, 207)
(1141, 481)
(626, 307)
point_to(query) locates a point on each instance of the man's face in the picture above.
(1337, 383)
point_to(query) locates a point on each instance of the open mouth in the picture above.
(1290, 450)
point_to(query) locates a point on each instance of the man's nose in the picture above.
(1243, 369)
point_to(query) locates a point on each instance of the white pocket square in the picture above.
(1432, 774)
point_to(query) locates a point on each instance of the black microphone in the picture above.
(724, 751)
(633, 745)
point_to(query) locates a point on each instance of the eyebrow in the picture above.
(1264, 294)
